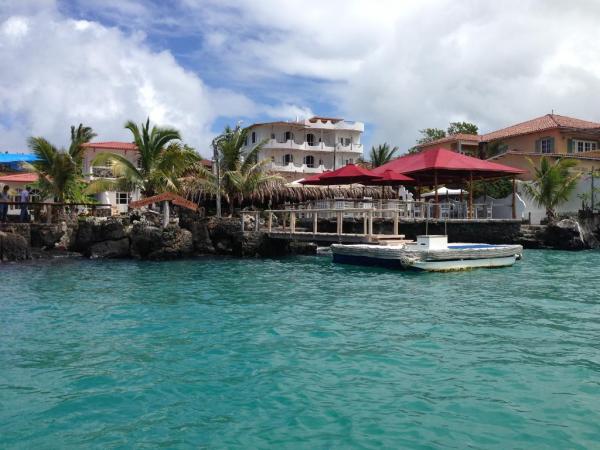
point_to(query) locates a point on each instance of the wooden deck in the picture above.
(345, 238)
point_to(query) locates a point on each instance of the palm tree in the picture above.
(79, 136)
(58, 174)
(163, 160)
(59, 170)
(382, 154)
(553, 184)
(242, 172)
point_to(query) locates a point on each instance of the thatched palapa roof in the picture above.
(277, 193)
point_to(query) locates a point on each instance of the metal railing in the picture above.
(406, 209)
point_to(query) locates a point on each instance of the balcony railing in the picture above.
(291, 167)
(314, 147)
(102, 172)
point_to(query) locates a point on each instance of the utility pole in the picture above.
(592, 205)
(217, 170)
(217, 163)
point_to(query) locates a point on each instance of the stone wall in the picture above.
(143, 238)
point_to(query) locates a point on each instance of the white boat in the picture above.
(429, 253)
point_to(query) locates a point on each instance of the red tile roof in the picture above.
(547, 122)
(472, 138)
(27, 177)
(547, 155)
(112, 145)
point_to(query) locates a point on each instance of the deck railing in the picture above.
(286, 220)
(40, 212)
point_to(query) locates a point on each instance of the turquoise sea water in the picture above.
(299, 353)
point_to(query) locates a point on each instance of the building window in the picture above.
(310, 138)
(245, 141)
(288, 136)
(584, 146)
(349, 161)
(309, 161)
(320, 162)
(288, 159)
(345, 141)
(272, 135)
(122, 198)
(254, 137)
(547, 145)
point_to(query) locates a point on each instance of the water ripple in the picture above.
(299, 353)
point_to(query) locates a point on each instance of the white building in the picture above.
(119, 201)
(308, 146)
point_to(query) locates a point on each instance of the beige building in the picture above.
(119, 201)
(552, 135)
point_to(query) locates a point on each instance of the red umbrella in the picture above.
(445, 166)
(349, 174)
(313, 179)
(391, 178)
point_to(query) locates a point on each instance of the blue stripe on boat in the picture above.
(459, 247)
(367, 261)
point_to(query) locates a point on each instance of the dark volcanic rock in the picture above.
(150, 242)
(14, 247)
(564, 235)
(110, 249)
(200, 234)
(46, 236)
(94, 230)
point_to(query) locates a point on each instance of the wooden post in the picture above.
(340, 225)
(365, 224)
(166, 214)
(270, 221)
(370, 222)
(514, 198)
(48, 213)
(293, 222)
(396, 231)
(256, 221)
(437, 199)
(242, 221)
(315, 222)
(470, 214)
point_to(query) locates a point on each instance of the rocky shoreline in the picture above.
(142, 237)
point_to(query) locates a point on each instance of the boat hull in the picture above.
(456, 257)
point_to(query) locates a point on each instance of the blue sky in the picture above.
(399, 66)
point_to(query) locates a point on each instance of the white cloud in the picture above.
(398, 65)
(403, 66)
(60, 71)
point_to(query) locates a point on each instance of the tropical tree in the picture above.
(58, 174)
(553, 183)
(79, 136)
(382, 154)
(430, 135)
(242, 172)
(60, 171)
(462, 127)
(162, 161)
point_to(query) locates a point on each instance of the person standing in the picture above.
(24, 204)
(4, 199)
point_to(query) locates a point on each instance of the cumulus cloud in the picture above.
(403, 66)
(59, 71)
(400, 66)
